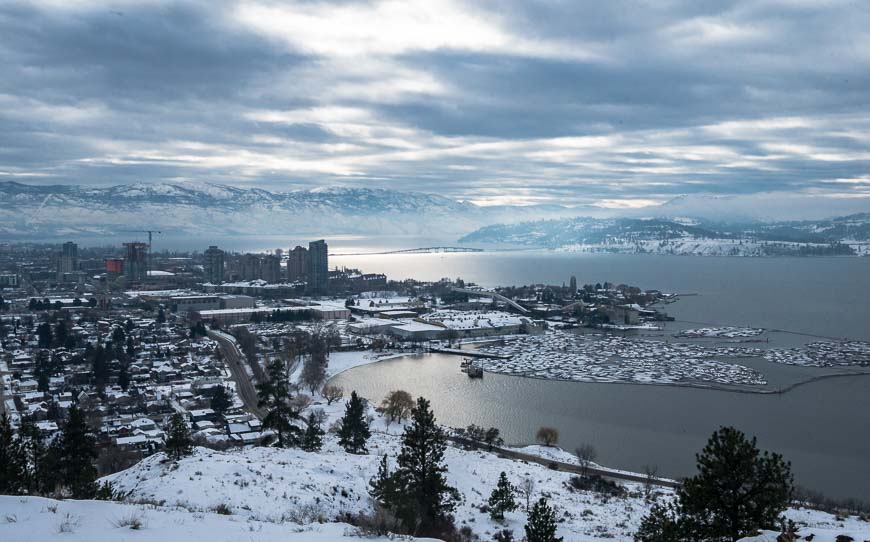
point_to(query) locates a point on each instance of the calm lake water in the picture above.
(823, 427)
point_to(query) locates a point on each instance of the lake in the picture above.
(823, 427)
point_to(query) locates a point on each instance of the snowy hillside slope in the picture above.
(849, 235)
(289, 486)
(36, 519)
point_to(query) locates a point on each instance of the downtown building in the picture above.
(213, 268)
(68, 261)
(317, 267)
(136, 261)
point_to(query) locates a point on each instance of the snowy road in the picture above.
(233, 358)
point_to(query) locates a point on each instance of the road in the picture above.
(566, 467)
(234, 359)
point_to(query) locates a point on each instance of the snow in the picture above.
(468, 320)
(36, 519)
(275, 494)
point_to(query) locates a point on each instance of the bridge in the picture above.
(494, 295)
(421, 250)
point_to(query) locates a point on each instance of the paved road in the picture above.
(235, 360)
(567, 467)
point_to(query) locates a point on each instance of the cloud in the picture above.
(615, 104)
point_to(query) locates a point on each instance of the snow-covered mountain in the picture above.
(45, 212)
(848, 235)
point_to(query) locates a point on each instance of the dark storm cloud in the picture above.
(496, 102)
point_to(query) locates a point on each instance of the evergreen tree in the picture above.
(541, 526)
(42, 477)
(161, 316)
(501, 499)
(124, 377)
(382, 488)
(13, 473)
(661, 524)
(312, 439)
(100, 366)
(274, 395)
(131, 350)
(737, 489)
(178, 442)
(61, 334)
(220, 400)
(44, 335)
(42, 371)
(354, 430)
(425, 500)
(75, 452)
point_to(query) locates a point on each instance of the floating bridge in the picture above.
(421, 250)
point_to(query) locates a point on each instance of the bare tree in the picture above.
(397, 405)
(548, 436)
(650, 475)
(314, 369)
(527, 490)
(332, 393)
(301, 401)
(586, 454)
(320, 416)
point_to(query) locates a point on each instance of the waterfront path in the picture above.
(235, 361)
(565, 467)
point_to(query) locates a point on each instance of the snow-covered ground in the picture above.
(561, 355)
(36, 519)
(467, 320)
(696, 246)
(288, 495)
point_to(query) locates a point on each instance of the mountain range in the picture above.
(848, 235)
(693, 224)
(48, 212)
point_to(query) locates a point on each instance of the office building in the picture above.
(136, 261)
(68, 261)
(317, 267)
(214, 265)
(270, 268)
(297, 260)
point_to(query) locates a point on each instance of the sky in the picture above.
(616, 104)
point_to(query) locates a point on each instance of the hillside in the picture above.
(288, 495)
(843, 236)
(44, 212)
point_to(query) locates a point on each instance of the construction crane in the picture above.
(150, 233)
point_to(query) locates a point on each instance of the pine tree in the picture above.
(41, 476)
(312, 439)
(220, 400)
(501, 499)
(13, 473)
(354, 430)
(274, 395)
(124, 377)
(178, 442)
(424, 499)
(161, 316)
(541, 526)
(737, 489)
(44, 335)
(382, 488)
(75, 454)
